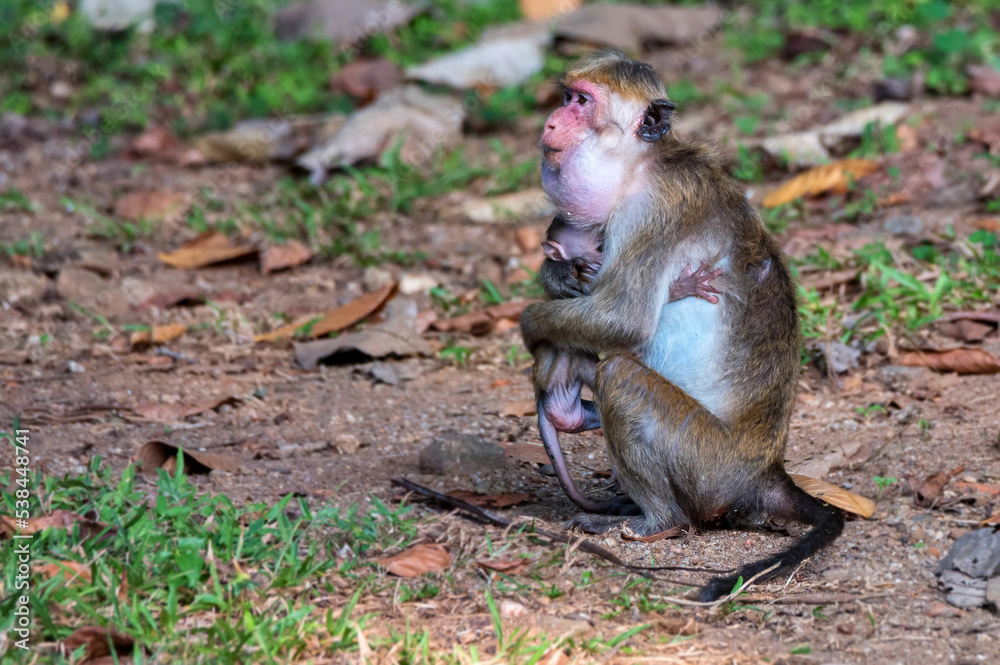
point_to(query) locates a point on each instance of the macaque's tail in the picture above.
(550, 439)
(784, 499)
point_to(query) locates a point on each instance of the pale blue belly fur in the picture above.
(687, 349)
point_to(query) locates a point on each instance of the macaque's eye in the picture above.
(583, 99)
(567, 97)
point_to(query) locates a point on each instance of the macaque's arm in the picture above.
(620, 314)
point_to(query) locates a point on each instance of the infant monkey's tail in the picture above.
(784, 499)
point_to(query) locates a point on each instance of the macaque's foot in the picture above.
(591, 523)
(623, 506)
(716, 588)
(696, 283)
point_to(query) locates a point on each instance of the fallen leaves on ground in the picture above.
(969, 360)
(426, 123)
(520, 408)
(154, 412)
(991, 489)
(820, 180)
(531, 453)
(160, 334)
(257, 140)
(71, 571)
(483, 321)
(629, 535)
(207, 249)
(336, 319)
(926, 492)
(57, 519)
(835, 496)
(515, 206)
(152, 206)
(533, 10)
(278, 257)
(396, 336)
(155, 455)
(821, 463)
(417, 560)
(501, 57)
(628, 26)
(100, 643)
(501, 500)
(344, 22)
(365, 78)
(508, 566)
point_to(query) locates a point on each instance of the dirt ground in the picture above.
(337, 433)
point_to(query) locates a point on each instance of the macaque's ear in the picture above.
(554, 250)
(656, 121)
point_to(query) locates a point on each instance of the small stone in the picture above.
(75, 367)
(89, 290)
(347, 444)
(421, 283)
(903, 225)
(840, 357)
(22, 287)
(376, 278)
(547, 470)
(453, 453)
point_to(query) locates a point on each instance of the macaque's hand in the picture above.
(560, 280)
(696, 283)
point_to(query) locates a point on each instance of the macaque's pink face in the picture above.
(588, 150)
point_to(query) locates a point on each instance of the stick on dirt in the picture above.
(584, 545)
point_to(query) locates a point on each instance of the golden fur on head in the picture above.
(624, 77)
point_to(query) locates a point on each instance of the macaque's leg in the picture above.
(652, 428)
(696, 283)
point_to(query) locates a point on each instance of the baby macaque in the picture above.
(559, 376)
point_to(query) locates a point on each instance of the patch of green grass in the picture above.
(193, 578)
(13, 200)
(33, 246)
(961, 275)
(952, 34)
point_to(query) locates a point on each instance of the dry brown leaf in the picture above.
(520, 408)
(963, 361)
(528, 239)
(484, 320)
(278, 257)
(533, 10)
(991, 224)
(57, 519)
(154, 412)
(155, 455)
(207, 249)
(983, 488)
(71, 571)
(967, 330)
(337, 319)
(628, 534)
(926, 492)
(526, 452)
(417, 560)
(822, 179)
(157, 142)
(509, 566)
(365, 78)
(835, 496)
(99, 643)
(161, 334)
(153, 206)
(500, 500)
(984, 79)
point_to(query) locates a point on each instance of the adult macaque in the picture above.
(696, 429)
(559, 376)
